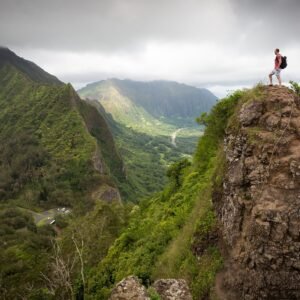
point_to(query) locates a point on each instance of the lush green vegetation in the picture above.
(46, 150)
(50, 144)
(142, 152)
(25, 251)
(51, 141)
(146, 159)
(143, 117)
(45, 261)
(163, 231)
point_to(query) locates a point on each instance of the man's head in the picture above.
(276, 51)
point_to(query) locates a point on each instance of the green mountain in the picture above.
(55, 151)
(156, 108)
(28, 68)
(68, 145)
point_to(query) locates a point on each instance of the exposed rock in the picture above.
(259, 208)
(250, 113)
(271, 121)
(172, 289)
(169, 289)
(129, 289)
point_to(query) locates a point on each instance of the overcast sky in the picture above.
(218, 44)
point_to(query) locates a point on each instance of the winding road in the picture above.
(173, 136)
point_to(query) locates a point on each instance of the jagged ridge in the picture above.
(258, 206)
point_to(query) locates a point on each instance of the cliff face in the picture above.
(258, 206)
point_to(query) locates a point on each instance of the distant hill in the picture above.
(149, 105)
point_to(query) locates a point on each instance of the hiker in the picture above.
(276, 71)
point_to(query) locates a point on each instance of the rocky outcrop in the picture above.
(259, 207)
(172, 289)
(168, 289)
(129, 289)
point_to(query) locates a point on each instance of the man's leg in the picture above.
(270, 77)
(279, 79)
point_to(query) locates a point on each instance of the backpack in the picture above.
(283, 62)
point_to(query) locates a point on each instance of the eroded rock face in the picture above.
(172, 289)
(129, 289)
(259, 209)
(250, 113)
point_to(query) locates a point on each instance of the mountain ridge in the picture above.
(156, 102)
(29, 68)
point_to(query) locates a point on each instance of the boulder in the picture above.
(172, 289)
(129, 289)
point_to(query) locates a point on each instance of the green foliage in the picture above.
(97, 229)
(221, 116)
(295, 87)
(209, 264)
(153, 294)
(46, 152)
(25, 250)
(176, 172)
(142, 152)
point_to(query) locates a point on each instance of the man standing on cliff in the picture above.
(277, 70)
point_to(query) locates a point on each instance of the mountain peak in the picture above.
(30, 69)
(259, 201)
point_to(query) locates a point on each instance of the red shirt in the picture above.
(277, 61)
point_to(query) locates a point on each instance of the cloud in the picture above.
(111, 25)
(205, 43)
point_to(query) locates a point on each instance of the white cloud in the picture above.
(221, 43)
(205, 64)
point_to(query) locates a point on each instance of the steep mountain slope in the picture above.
(55, 150)
(28, 68)
(166, 98)
(258, 204)
(53, 153)
(151, 107)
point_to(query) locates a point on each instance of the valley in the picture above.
(153, 124)
(76, 171)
